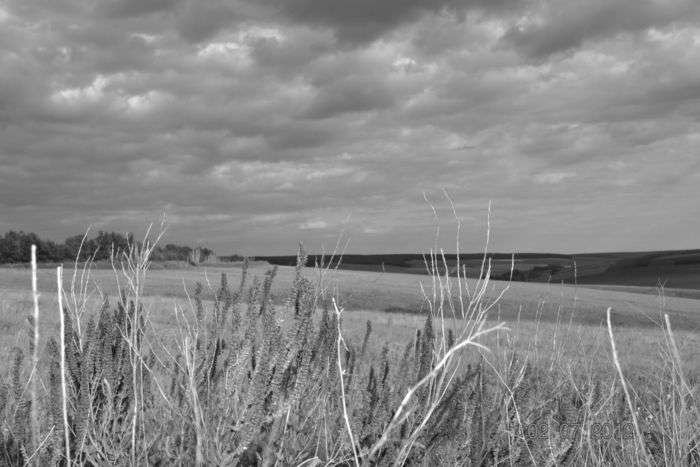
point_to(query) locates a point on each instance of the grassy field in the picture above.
(394, 292)
(555, 348)
(534, 312)
(539, 335)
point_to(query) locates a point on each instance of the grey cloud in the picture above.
(298, 136)
(130, 8)
(350, 95)
(47, 9)
(294, 54)
(248, 121)
(200, 21)
(671, 95)
(567, 24)
(363, 21)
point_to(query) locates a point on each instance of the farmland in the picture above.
(395, 303)
(397, 292)
(556, 340)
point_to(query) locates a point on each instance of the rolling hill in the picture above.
(672, 269)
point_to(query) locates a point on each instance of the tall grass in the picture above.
(243, 381)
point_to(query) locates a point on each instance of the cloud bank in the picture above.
(255, 124)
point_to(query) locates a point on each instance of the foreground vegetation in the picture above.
(239, 377)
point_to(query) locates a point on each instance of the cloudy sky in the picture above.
(254, 124)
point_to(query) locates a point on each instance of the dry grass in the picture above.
(268, 372)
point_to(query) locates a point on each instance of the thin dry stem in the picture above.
(35, 352)
(639, 439)
(64, 392)
(342, 387)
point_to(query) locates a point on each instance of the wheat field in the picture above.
(304, 366)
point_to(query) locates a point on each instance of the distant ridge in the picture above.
(671, 268)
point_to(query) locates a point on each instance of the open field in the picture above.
(554, 360)
(536, 313)
(393, 292)
(543, 339)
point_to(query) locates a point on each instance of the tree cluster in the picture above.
(15, 247)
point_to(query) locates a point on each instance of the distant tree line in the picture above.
(15, 247)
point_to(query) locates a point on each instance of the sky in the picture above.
(255, 124)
